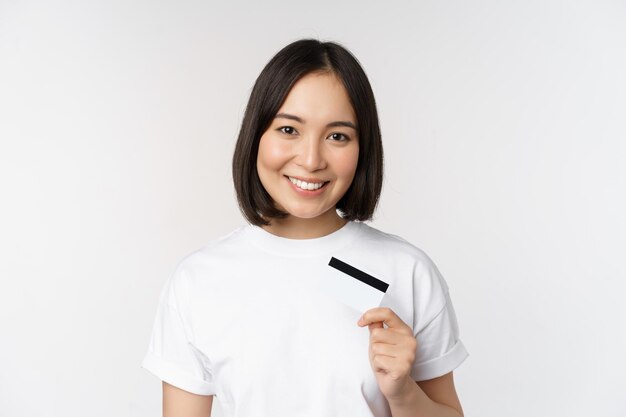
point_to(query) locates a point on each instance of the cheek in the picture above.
(271, 155)
(347, 163)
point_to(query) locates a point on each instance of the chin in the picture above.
(305, 215)
(311, 215)
(302, 214)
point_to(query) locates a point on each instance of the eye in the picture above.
(287, 130)
(335, 135)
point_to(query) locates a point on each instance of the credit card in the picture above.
(352, 286)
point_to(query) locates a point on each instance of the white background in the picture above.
(504, 130)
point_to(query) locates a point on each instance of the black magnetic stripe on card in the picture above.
(358, 274)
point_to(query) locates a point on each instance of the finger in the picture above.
(385, 349)
(391, 366)
(390, 336)
(375, 325)
(384, 363)
(382, 314)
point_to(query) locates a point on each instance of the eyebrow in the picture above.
(331, 124)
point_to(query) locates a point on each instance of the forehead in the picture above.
(319, 98)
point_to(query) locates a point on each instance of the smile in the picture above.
(306, 185)
(305, 188)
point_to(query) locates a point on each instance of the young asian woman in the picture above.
(243, 318)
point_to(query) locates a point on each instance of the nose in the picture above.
(311, 154)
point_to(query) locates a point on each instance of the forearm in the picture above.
(415, 403)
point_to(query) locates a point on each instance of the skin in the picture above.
(309, 148)
(391, 351)
(392, 354)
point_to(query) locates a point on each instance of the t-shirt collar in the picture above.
(303, 247)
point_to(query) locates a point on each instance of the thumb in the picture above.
(377, 324)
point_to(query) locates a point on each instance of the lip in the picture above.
(305, 179)
(306, 193)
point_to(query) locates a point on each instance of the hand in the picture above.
(391, 351)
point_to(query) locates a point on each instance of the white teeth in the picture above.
(306, 185)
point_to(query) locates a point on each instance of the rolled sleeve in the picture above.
(439, 348)
(171, 355)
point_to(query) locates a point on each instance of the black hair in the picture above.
(270, 90)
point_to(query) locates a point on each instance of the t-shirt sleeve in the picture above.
(171, 355)
(439, 348)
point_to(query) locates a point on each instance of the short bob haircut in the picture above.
(269, 92)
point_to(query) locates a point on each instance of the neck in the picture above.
(292, 227)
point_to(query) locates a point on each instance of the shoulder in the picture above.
(393, 244)
(215, 247)
(417, 289)
(402, 256)
(210, 256)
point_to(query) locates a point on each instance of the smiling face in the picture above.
(312, 137)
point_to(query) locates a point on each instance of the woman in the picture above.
(256, 317)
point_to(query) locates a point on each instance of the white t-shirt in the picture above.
(240, 319)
